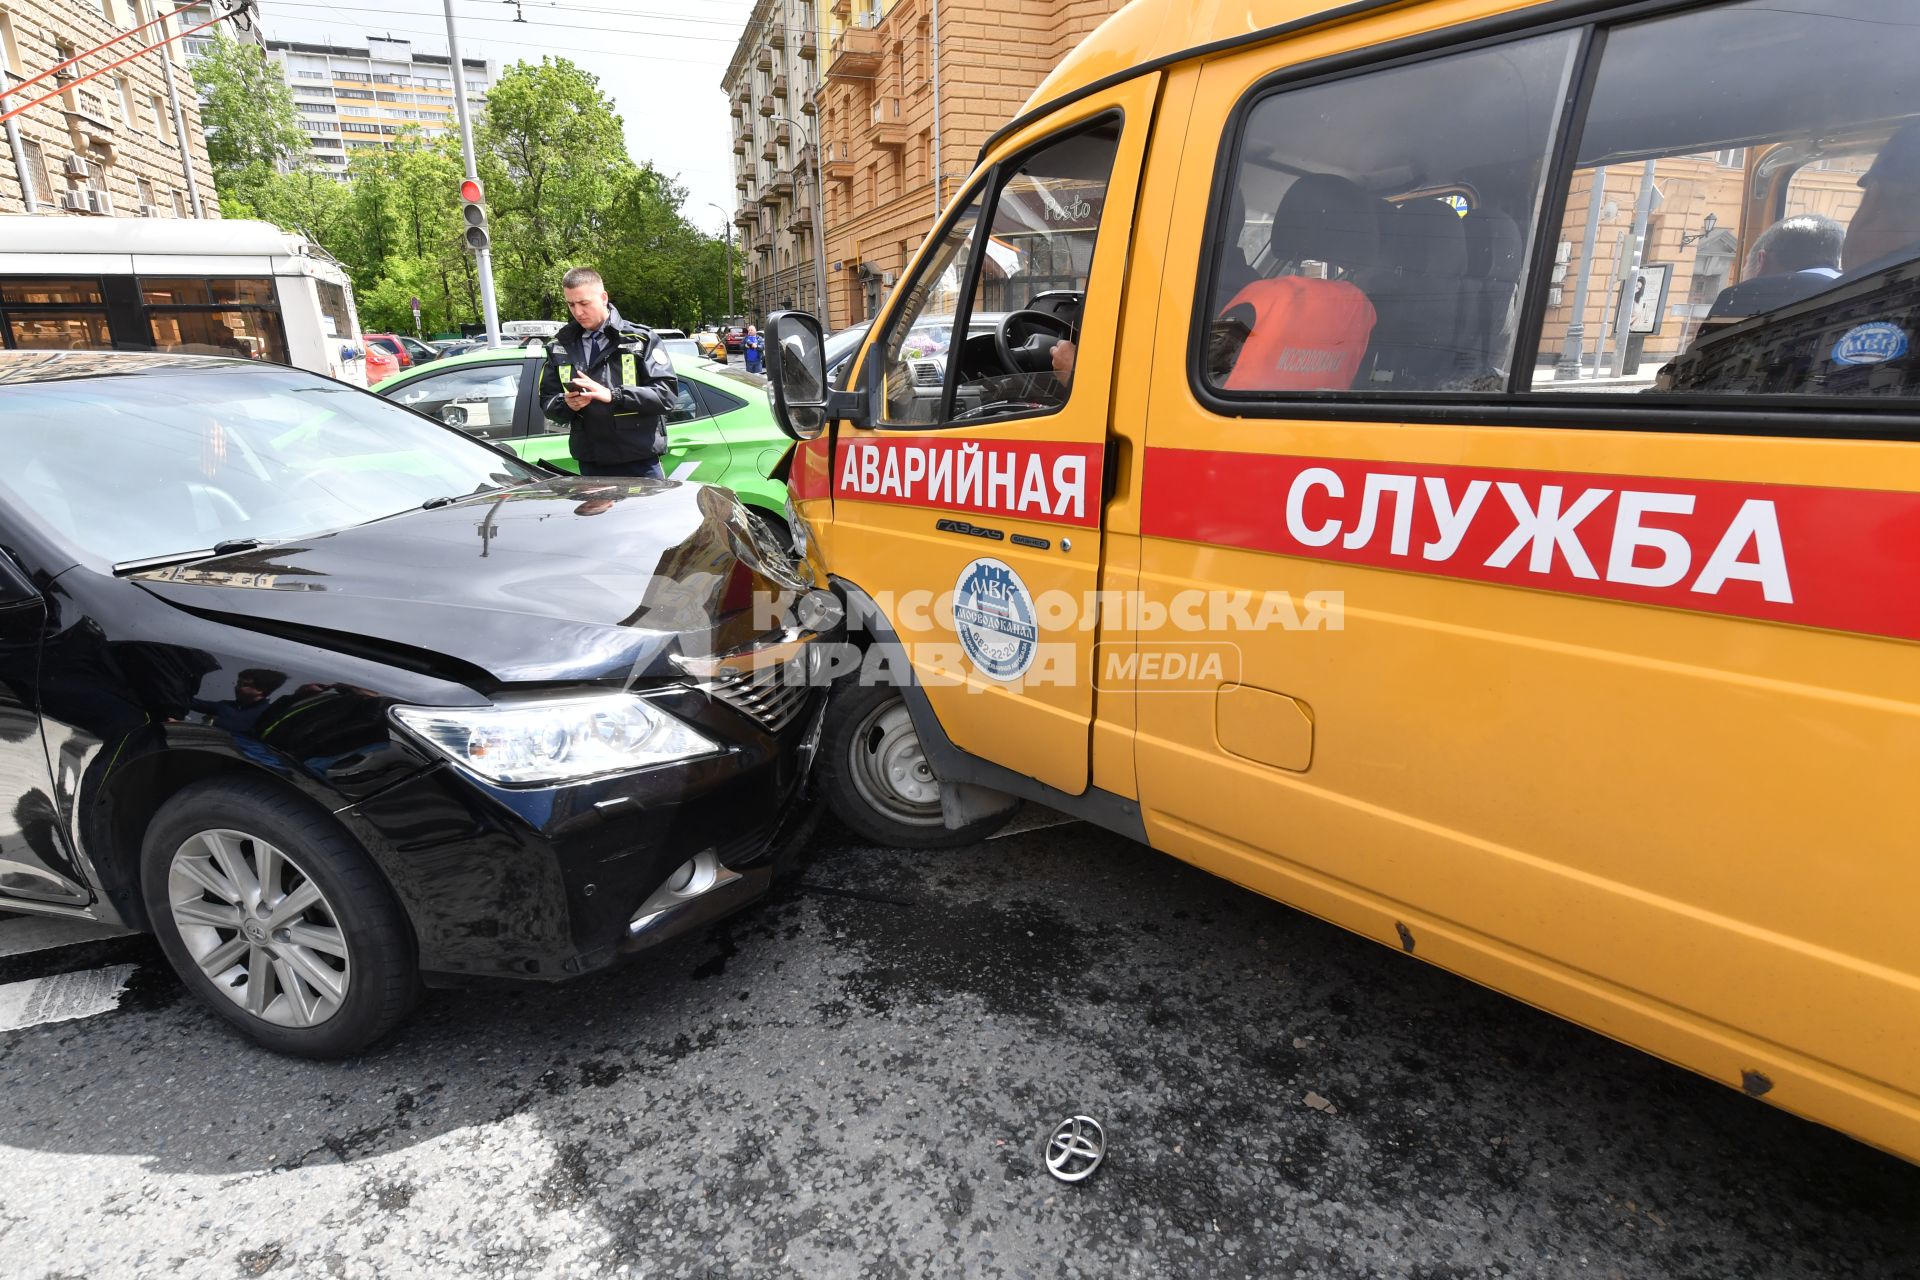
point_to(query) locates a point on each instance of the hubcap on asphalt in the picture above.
(890, 770)
(259, 928)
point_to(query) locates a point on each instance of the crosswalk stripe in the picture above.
(62, 997)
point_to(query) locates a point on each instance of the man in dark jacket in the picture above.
(611, 381)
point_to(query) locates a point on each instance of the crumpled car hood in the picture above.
(561, 581)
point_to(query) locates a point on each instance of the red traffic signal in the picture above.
(474, 213)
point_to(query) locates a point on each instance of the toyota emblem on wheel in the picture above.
(1076, 1149)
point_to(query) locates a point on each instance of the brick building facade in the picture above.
(111, 145)
(899, 123)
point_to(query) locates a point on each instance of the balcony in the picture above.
(739, 144)
(889, 130)
(779, 86)
(737, 108)
(809, 47)
(763, 243)
(746, 219)
(839, 163)
(765, 61)
(743, 184)
(766, 105)
(857, 54)
(771, 151)
(783, 134)
(800, 221)
(806, 107)
(778, 190)
(777, 37)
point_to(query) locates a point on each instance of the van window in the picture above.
(1750, 223)
(1023, 289)
(1374, 233)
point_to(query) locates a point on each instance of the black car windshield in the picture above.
(160, 463)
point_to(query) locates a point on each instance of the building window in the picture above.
(9, 51)
(37, 173)
(146, 193)
(179, 205)
(1731, 158)
(160, 119)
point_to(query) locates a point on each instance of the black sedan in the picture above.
(338, 701)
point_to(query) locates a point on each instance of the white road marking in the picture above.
(21, 934)
(62, 997)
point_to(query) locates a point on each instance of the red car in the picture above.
(736, 336)
(386, 356)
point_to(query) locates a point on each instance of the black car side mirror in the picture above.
(16, 588)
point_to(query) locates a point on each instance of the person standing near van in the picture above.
(611, 381)
(751, 347)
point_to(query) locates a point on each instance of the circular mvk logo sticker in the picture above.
(993, 613)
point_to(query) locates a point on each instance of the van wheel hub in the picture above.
(890, 769)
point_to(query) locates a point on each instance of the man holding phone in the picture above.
(610, 381)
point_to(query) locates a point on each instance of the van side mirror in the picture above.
(797, 373)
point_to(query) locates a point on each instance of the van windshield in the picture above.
(167, 462)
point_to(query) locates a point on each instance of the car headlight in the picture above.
(797, 529)
(557, 740)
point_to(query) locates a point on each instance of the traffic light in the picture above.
(474, 211)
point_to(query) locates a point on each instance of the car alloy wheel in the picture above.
(259, 927)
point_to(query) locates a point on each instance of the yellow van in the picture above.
(1448, 465)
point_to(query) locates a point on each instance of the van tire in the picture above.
(876, 778)
(246, 820)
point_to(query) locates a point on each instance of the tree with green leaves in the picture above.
(561, 192)
(251, 126)
(554, 160)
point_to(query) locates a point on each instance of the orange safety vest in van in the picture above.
(1308, 335)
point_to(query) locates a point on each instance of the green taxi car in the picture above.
(722, 433)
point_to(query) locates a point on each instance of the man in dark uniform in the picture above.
(611, 381)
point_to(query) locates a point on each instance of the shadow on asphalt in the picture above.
(858, 1073)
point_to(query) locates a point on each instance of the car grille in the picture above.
(772, 696)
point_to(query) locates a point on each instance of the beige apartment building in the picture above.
(124, 144)
(773, 87)
(362, 97)
(899, 95)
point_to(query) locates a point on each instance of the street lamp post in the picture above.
(728, 232)
(819, 223)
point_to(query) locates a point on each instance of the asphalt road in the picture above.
(855, 1079)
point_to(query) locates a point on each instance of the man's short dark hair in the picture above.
(260, 678)
(580, 276)
(1802, 241)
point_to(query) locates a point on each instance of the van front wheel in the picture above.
(876, 775)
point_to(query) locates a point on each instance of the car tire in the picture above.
(876, 778)
(323, 981)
